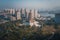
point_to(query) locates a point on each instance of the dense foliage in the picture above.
(12, 31)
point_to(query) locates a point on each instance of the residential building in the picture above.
(18, 15)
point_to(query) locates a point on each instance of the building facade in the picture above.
(18, 15)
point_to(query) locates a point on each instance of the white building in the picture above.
(22, 11)
(31, 14)
(12, 18)
(27, 14)
(36, 13)
(35, 23)
(18, 15)
(10, 11)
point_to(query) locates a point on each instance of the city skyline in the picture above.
(41, 4)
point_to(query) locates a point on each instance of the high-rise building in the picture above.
(18, 15)
(22, 14)
(31, 16)
(13, 11)
(35, 13)
(9, 11)
(22, 10)
(27, 14)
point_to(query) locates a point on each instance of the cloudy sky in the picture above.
(45, 4)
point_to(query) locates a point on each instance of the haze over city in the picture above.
(41, 4)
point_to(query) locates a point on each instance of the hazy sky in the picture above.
(45, 4)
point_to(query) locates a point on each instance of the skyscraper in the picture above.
(22, 11)
(35, 13)
(31, 16)
(10, 11)
(27, 14)
(18, 15)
